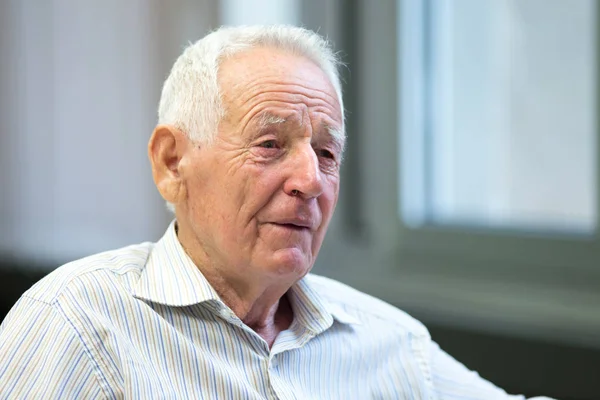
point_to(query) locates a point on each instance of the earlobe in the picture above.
(166, 149)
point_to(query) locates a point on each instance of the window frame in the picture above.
(528, 254)
(521, 284)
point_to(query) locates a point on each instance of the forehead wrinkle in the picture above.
(263, 118)
(269, 80)
(261, 107)
(294, 90)
(254, 104)
(252, 96)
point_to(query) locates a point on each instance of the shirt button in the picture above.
(273, 362)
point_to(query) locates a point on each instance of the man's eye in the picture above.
(325, 153)
(268, 144)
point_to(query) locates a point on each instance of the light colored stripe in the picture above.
(142, 322)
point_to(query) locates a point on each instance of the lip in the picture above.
(297, 223)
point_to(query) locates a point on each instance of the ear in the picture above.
(166, 149)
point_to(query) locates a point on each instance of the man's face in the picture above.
(261, 195)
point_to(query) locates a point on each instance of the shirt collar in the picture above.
(313, 311)
(171, 278)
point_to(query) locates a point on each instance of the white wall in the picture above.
(79, 88)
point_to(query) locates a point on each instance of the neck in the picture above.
(261, 303)
(264, 309)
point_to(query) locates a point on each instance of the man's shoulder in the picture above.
(115, 264)
(363, 306)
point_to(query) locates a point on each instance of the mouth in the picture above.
(292, 226)
(295, 223)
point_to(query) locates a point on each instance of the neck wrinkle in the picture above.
(263, 307)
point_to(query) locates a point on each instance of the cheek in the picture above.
(261, 185)
(235, 199)
(210, 206)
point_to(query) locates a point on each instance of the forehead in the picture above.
(267, 81)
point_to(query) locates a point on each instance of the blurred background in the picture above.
(470, 185)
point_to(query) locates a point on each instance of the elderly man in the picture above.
(247, 152)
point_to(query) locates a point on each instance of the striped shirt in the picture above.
(142, 322)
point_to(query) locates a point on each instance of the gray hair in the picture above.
(190, 99)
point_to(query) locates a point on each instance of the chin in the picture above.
(291, 261)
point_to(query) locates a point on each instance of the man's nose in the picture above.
(305, 178)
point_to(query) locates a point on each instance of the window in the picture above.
(498, 160)
(477, 128)
(499, 114)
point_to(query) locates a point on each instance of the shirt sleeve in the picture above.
(42, 356)
(452, 380)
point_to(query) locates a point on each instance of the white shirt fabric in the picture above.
(142, 322)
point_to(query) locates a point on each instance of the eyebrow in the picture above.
(337, 135)
(267, 119)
